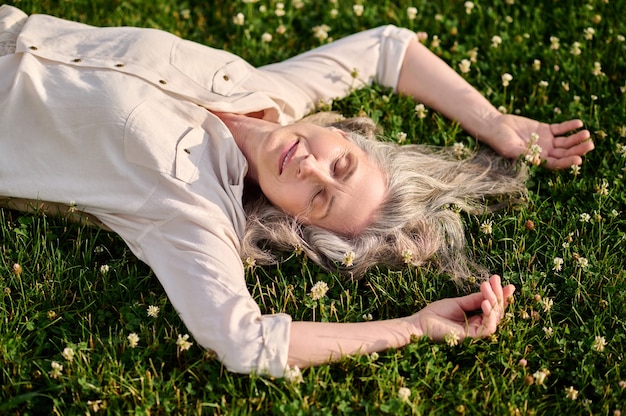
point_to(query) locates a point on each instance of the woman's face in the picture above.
(318, 176)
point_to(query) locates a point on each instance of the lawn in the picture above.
(71, 296)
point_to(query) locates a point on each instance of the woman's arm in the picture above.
(314, 343)
(428, 79)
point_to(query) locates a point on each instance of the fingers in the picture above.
(559, 129)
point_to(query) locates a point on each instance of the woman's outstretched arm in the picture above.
(314, 343)
(431, 81)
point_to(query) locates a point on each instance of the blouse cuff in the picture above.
(273, 357)
(394, 43)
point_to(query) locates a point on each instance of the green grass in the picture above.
(63, 298)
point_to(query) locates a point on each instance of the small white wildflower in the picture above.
(502, 109)
(57, 370)
(465, 66)
(473, 55)
(239, 19)
(249, 263)
(554, 43)
(183, 343)
(421, 111)
(540, 376)
(602, 188)
(17, 269)
(401, 137)
(469, 6)
(348, 259)
(133, 340)
(548, 331)
(334, 13)
(582, 262)
(614, 213)
(575, 170)
(318, 290)
(104, 269)
(293, 375)
(452, 338)
(534, 155)
(506, 79)
(571, 393)
(621, 149)
(597, 69)
(280, 9)
(266, 37)
(543, 84)
(584, 217)
(458, 149)
(558, 264)
(407, 256)
(436, 42)
(153, 311)
(486, 227)
(621, 38)
(357, 9)
(281, 29)
(374, 356)
(599, 343)
(367, 317)
(68, 353)
(536, 65)
(404, 393)
(565, 85)
(496, 41)
(589, 32)
(411, 13)
(547, 304)
(575, 49)
(321, 32)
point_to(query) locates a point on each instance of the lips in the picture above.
(286, 157)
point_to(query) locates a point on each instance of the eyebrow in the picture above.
(346, 178)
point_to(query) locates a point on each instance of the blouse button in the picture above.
(162, 81)
(77, 60)
(119, 65)
(226, 78)
(34, 48)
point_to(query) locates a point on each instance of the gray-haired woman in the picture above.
(153, 136)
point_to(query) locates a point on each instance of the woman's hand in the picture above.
(510, 137)
(448, 317)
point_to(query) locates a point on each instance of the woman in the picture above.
(153, 136)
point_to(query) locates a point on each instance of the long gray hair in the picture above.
(418, 223)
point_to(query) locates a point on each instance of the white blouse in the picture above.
(114, 121)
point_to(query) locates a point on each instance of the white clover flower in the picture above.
(104, 269)
(598, 344)
(452, 338)
(421, 111)
(458, 149)
(281, 29)
(603, 188)
(266, 37)
(249, 263)
(334, 13)
(548, 331)
(473, 55)
(17, 269)
(502, 109)
(469, 6)
(293, 375)
(558, 264)
(496, 41)
(540, 376)
(318, 290)
(571, 393)
(407, 256)
(401, 137)
(506, 79)
(589, 32)
(280, 10)
(486, 227)
(133, 340)
(357, 9)
(465, 66)
(575, 49)
(597, 69)
(411, 13)
(183, 343)
(297, 4)
(543, 84)
(239, 19)
(621, 149)
(584, 217)
(575, 170)
(404, 393)
(534, 154)
(621, 38)
(348, 259)
(153, 311)
(367, 317)
(547, 304)
(422, 36)
(57, 370)
(435, 42)
(536, 65)
(321, 32)
(374, 356)
(582, 262)
(554, 43)
(68, 353)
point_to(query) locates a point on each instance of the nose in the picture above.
(311, 168)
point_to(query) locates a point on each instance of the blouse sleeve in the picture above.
(203, 276)
(334, 70)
